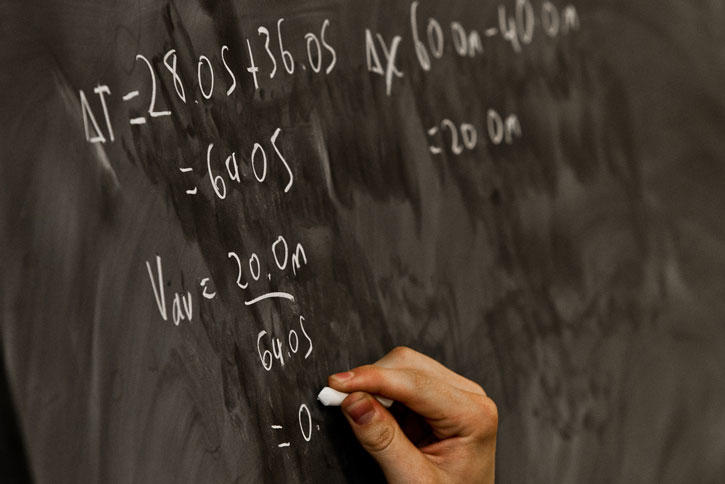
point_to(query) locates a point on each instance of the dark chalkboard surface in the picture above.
(210, 206)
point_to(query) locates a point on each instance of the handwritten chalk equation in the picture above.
(517, 28)
(182, 308)
(285, 259)
(181, 303)
(319, 57)
(258, 162)
(257, 166)
(464, 136)
(289, 346)
(304, 419)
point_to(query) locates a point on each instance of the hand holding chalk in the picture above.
(451, 435)
(332, 398)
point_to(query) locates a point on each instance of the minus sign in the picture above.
(491, 32)
(276, 426)
(186, 170)
(130, 95)
(140, 120)
(283, 444)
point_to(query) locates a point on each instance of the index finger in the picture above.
(404, 357)
(449, 410)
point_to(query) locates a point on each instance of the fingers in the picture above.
(449, 410)
(379, 434)
(463, 419)
(404, 357)
(452, 404)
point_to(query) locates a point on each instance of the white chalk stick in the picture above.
(332, 398)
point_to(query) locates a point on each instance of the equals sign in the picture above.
(283, 444)
(127, 97)
(191, 191)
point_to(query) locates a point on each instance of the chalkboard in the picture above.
(210, 206)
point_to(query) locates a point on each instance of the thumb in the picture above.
(380, 435)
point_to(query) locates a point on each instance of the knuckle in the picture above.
(402, 353)
(478, 388)
(380, 439)
(487, 417)
(492, 413)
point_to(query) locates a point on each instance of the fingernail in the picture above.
(341, 377)
(361, 410)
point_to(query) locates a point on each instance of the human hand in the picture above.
(461, 420)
